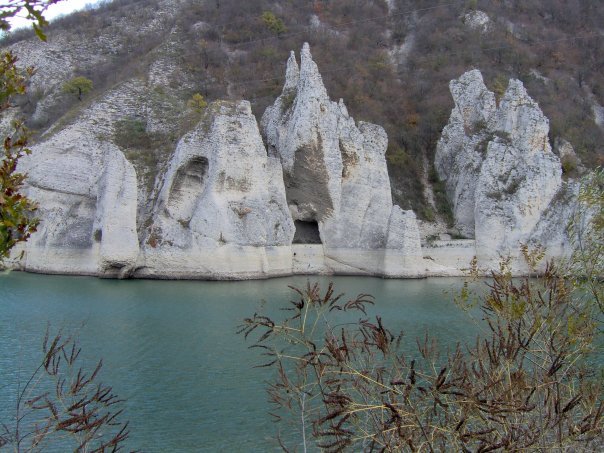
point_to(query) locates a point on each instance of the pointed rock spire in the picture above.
(335, 169)
(473, 101)
(292, 74)
(520, 117)
(311, 82)
(497, 164)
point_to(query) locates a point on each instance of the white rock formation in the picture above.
(335, 171)
(115, 222)
(499, 170)
(221, 187)
(87, 197)
(565, 151)
(550, 229)
(223, 206)
(461, 148)
(477, 20)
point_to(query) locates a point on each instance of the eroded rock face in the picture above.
(499, 169)
(460, 150)
(115, 222)
(87, 197)
(221, 187)
(335, 170)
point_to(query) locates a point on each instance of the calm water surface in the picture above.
(170, 349)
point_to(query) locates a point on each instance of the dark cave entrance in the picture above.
(307, 232)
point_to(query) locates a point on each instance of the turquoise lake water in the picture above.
(170, 349)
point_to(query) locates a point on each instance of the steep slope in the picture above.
(391, 61)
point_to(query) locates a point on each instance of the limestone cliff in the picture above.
(335, 170)
(220, 205)
(500, 172)
(311, 194)
(87, 197)
(221, 187)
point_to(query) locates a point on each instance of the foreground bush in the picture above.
(524, 384)
(62, 404)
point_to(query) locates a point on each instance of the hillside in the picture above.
(391, 61)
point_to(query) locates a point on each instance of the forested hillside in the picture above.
(391, 61)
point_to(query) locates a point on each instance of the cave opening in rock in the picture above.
(188, 184)
(307, 232)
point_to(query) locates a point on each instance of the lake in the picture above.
(170, 350)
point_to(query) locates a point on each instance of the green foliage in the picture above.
(273, 23)
(443, 205)
(16, 211)
(146, 151)
(427, 213)
(78, 86)
(132, 133)
(197, 103)
(288, 100)
(500, 84)
(569, 164)
(396, 155)
(12, 79)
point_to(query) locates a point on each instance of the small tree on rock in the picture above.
(197, 103)
(78, 86)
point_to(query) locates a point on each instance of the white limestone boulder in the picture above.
(500, 172)
(477, 20)
(115, 223)
(87, 196)
(335, 170)
(221, 187)
(461, 148)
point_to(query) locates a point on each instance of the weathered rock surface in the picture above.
(316, 199)
(87, 197)
(221, 187)
(499, 170)
(335, 170)
(477, 20)
(222, 206)
(115, 222)
(459, 153)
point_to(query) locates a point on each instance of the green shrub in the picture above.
(500, 84)
(443, 205)
(569, 164)
(78, 86)
(288, 99)
(273, 23)
(197, 103)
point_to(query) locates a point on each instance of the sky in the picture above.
(59, 9)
